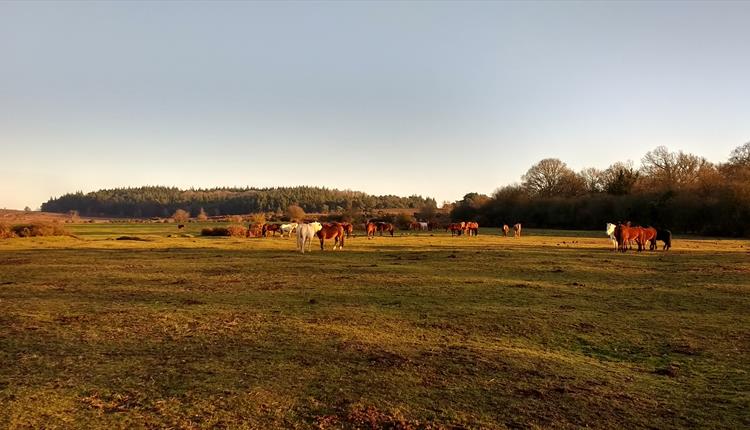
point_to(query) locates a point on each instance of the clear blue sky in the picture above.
(438, 99)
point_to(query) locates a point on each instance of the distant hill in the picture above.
(158, 201)
(10, 216)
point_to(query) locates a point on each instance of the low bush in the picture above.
(236, 230)
(215, 231)
(6, 231)
(34, 229)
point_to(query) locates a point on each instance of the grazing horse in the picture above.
(371, 228)
(332, 231)
(611, 233)
(455, 228)
(666, 237)
(288, 229)
(506, 229)
(385, 226)
(423, 226)
(517, 230)
(624, 233)
(432, 225)
(180, 227)
(305, 234)
(270, 228)
(648, 234)
(414, 226)
(472, 228)
(348, 229)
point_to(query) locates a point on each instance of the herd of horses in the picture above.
(338, 231)
(623, 235)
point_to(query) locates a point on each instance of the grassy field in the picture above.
(422, 331)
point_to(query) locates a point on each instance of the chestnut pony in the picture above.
(624, 233)
(385, 226)
(332, 231)
(472, 228)
(348, 229)
(371, 228)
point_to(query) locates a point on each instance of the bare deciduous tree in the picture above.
(670, 170)
(593, 179)
(740, 155)
(548, 177)
(620, 178)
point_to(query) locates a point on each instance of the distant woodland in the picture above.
(157, 201)
(680, 191)
(676, 190)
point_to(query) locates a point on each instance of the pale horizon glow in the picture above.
(437, 99)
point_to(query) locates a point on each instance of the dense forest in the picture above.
(156, 201)
(675, 190)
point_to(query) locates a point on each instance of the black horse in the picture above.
(665, 236)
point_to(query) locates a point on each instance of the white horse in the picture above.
(305, 234)
(517, 230)
(423, 226)
(288, 229)
(611, 233)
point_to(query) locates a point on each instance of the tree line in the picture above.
(680, 191)
(159, 201)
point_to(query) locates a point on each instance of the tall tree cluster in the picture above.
(155, 201)
(676, 190)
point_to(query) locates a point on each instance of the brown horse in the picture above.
(415, 226)
(271, 228)
(648, 234)
(624, 233)
(472, 228)
(506, 230)
(348, 229)
(385, 227)
(431, 225)
(517, 230)
(371, 228)
(332, 231)
(455, 228)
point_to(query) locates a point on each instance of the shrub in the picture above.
(37, 229)
(403, 220)
(257, 218)
(181, 215)
(215, 231)
(255, 230)
(235, 219)
(295, 213)
(202, 215)
(236, 230)
(6, 231)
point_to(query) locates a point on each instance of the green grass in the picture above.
(549, 330)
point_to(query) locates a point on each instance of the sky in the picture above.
(432, 98)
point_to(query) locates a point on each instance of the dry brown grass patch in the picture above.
(33, 230)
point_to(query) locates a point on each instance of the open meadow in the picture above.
(416, 331)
